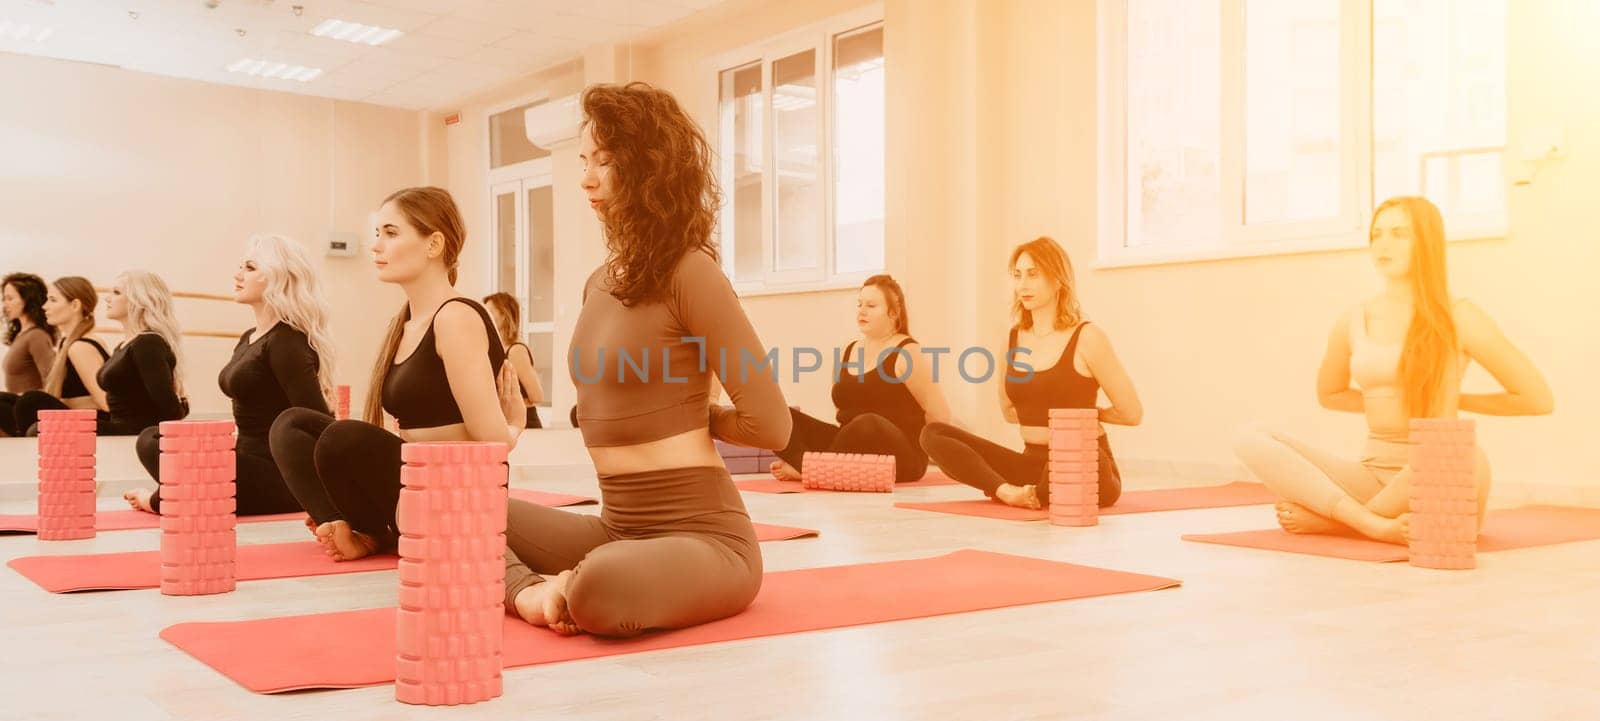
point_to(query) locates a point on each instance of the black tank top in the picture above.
(417, 392)
(1059, 386)
(857, 395)
(72, 384)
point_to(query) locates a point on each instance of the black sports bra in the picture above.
(72, 385)
(417, 392)
(1059, 386)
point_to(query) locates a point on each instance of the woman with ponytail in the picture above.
(436, 374)
(507, 315)
(882, 406)
(69, 381)
(285, 361)
(1406, 349)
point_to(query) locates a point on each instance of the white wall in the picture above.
(105, 170)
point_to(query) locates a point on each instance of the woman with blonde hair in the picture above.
(142, 380)
(507, 314)
(436, 373)
(1055, 358)
(285, 361)
(70, 380)
(1406, 349)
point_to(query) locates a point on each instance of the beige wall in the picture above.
(1214, 344)
(106, 170)
(991, 142)
(991, 131)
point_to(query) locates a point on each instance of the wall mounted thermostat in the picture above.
(343, 244)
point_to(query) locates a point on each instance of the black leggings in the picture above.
(866, 433)
(985, 465)
(258, 487)
(340, 470)
(19, 414)
(8, 415)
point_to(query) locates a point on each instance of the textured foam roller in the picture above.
(198, 443)
(448, 628)
(1443, 530)
(848, 472)
(341, 402)
(66, 475)
(196, 428)
(1074, 467)
(199, 548)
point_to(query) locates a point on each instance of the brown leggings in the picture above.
(670, 549)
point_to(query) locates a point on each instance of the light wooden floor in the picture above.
(1250, 635)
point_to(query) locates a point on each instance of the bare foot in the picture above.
(1019, 496)
(1391, 530)
(139, 499)
(342, 543)
(1296, 518)
(545, 604)
(784, 472)
(311, 526)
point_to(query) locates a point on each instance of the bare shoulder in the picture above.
(458, 322)
(1472, 321)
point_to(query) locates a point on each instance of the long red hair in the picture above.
(1428, 358)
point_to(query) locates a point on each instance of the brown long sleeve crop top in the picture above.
(644, 373)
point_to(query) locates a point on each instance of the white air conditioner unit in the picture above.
(552, 123)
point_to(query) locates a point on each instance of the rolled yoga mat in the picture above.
(128, 520)
(1504, 530)
(291, 653)
(1238, 493)
(773, 485)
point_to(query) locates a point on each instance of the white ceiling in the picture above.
(451, 49)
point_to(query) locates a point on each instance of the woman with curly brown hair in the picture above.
(673, 546)
(30, 342)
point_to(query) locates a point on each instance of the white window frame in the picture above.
(1239, 240)
(517, 179)
(818, 37)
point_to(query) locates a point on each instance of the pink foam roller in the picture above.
(197, 444)
(861, 472)
(212, 507)
(82, 462)
(341, 396)
(198, 524)
(66, 472)
(66, 444)
(196, 491)
(1443, 527)
(196, 428)
(451, 516)
(1074, 470)
(199, 546)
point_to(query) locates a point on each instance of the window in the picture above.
(522, 226)
(1244, 127)
(508, 138)
(800, 154)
